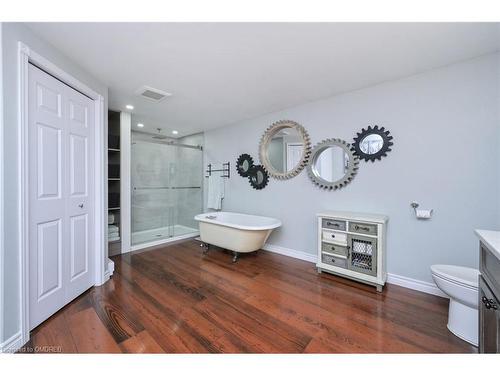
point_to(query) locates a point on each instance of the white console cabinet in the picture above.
(353, 245)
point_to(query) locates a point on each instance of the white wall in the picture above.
(445, 125)
(12, 33)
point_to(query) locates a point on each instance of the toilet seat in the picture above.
(463, 276)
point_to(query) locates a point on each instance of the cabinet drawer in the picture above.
(334, 249)
(336, 237)
(364, 228)
(334, 261)
(333, 224)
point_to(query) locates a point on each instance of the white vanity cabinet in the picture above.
(353, 245)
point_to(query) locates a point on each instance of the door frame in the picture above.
(25, 56)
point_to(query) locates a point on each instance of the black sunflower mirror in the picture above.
(244, 164)
(258, 177)
(372, 143)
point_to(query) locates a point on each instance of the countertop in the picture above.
(491, 239)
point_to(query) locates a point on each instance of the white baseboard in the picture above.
(421, 286)
(110, 269)
(406, 282)
(12, 344)
(291, 253)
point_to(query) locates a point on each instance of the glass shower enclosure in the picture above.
(166, 189)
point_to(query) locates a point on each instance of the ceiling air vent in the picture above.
(152, 94)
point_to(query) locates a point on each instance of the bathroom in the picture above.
(334, 212)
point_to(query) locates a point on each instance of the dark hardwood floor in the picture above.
(176, 300)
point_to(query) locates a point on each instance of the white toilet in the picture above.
(461, 285)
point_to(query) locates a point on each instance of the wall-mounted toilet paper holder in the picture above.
(421, 214)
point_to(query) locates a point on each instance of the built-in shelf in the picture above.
(114, 161)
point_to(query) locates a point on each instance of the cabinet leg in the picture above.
(379, 288)
(235, 256)
(319, 270)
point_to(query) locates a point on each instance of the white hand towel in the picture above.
(112, 229)
(215, 189)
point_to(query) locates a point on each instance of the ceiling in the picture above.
(222, 73)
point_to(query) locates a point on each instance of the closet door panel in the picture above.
(61, 191)
(80, 123)
(47, 201)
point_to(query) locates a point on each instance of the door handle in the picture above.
(80, 205)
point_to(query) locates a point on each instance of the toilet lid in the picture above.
(461, 275)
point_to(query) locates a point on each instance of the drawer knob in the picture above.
(333, 236)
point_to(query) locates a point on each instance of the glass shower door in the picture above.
(187, 180)
(152, 211)
(166, 190)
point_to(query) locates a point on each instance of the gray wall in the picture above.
(445, 156)
(11, 34)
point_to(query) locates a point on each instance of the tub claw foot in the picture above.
(206, 247)
(235, 256)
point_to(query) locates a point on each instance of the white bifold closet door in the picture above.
(61, 186)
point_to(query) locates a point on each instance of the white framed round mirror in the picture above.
(284, 149)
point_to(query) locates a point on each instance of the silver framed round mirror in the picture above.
(333, 164)
(284, 149)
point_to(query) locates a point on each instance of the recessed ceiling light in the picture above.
(175, 132)
(140, 125)
(128, 106)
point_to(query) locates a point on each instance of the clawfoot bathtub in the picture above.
(240, 233)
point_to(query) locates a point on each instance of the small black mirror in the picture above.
(244, 164)
(258, 177)
(372, 143)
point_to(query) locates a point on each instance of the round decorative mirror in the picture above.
(333, 164)
(243, 165)
(372, 143)
(258, 177)
(284, 149)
